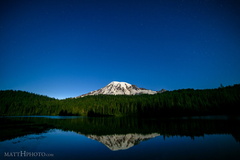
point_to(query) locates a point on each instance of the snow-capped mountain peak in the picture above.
(119, 84)
(120, 88)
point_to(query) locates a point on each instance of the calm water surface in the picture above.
(54, 137)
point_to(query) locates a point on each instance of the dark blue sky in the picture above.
(68, 48)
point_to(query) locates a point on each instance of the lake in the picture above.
(57, 137)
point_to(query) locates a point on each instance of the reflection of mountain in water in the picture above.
(115, 133)
(122, 141)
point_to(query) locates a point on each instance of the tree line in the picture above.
(223, 100)
(120, 125)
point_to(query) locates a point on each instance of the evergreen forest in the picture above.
(184, 102)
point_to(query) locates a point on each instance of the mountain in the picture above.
(162, 90)
(120, 88)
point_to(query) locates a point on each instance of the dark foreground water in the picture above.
(53, 137)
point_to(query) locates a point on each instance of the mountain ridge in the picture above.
(120, 88)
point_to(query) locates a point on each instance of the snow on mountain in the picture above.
(120, 88)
